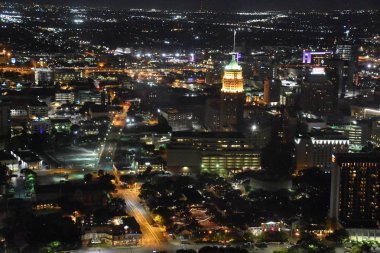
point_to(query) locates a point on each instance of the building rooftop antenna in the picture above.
(233, 50)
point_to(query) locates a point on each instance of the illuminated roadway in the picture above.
(152, 236)
(108, 148)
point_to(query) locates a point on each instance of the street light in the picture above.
(254, 128)
(185, 170)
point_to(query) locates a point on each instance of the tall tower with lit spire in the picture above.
(232, 97)
(233, 77)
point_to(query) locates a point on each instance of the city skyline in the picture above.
(125, 129)
(220, 5)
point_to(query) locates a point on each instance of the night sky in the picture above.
(227, 5)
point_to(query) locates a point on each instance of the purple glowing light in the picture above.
(307, 56)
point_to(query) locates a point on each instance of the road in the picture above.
(152, 236)
(108, 148)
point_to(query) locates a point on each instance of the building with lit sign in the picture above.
(315, 57)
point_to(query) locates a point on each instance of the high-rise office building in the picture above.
(272, 89)
(355, 190)
(232, 97)
(318, 94)
(344, 53)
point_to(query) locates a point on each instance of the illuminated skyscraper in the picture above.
(355, 190)
(233, 77)
(232, 97)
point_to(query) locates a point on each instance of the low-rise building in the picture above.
(178, 120)
(141, 164)
(9, 160)
(19, 111)
(65, 97)
(89, 96)
(27, 159)
(37, 109)
(124, 231)
(40, 126)
(61, 125)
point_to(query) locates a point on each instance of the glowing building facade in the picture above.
(232, 97)
(233, 78)
(222, 153)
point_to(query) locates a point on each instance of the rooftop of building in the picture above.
(27, 102)
(6, 156)
(313, 120)
(172, 110)
(372, 157)
(27, 156)
(68, 187)
(326, 134)
(60, 120)
(150, 160)
(208, 135)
